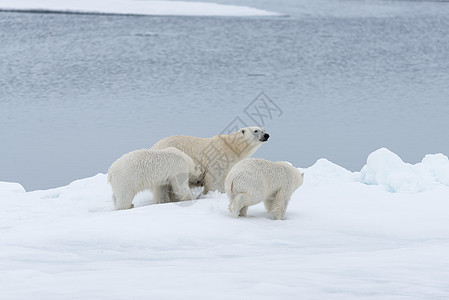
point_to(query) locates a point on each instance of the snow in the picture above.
(134, 7)
(324, 171)
(381, 233)
(387, 169)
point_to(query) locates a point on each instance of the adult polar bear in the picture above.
(218, 154)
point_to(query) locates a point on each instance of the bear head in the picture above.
(196, 177)
(254, 135)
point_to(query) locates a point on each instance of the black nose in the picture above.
(266, 135)
(198, 182)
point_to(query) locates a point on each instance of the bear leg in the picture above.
(123, 201)
(238, 205)
(243, 211)
(213, 183)
(280, 204)
(171, 194)
(115, 200)
(181, 191)
(268, 203)
(161, 194)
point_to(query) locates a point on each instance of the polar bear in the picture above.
(157, 170)
(254, 180)
(218, 154)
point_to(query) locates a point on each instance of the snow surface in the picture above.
(134, 7)
(387, 169)
(346, 236)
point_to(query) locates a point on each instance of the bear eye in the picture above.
(256, 130)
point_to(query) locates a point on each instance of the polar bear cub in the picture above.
(254, 180)
(161, 171)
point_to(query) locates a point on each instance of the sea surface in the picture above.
(77, 91)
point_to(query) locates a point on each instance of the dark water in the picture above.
(77, 91)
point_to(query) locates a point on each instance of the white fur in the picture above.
(155, 170)
(254, 180)
(218, 154)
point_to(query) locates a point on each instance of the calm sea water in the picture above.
(77, 91)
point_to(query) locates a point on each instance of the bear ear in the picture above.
(243, 131)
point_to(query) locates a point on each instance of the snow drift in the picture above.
(387, 169)
(380, 233)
